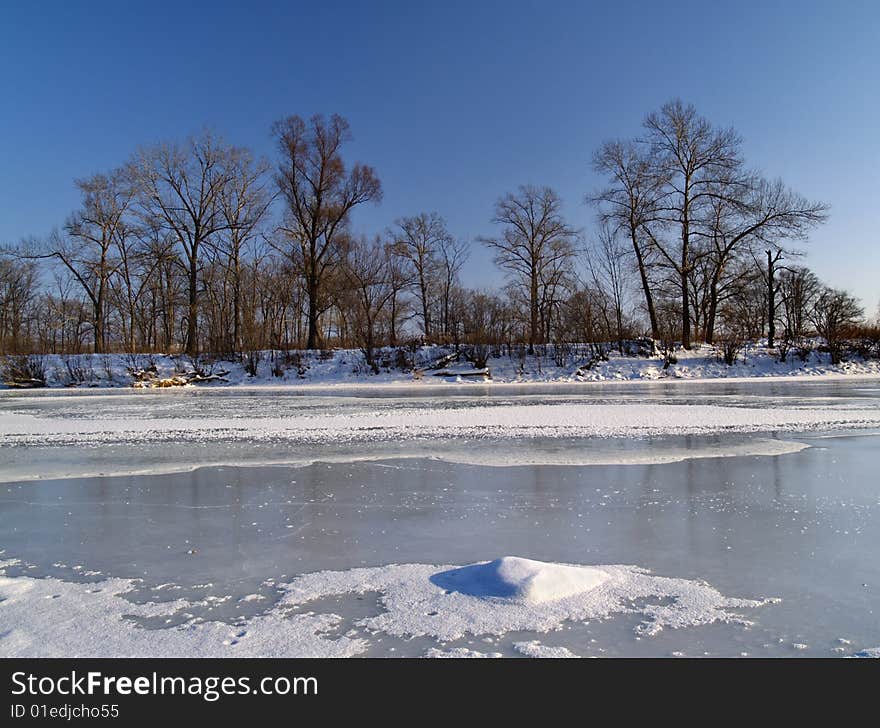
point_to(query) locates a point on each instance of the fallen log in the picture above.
(180, 380)
(484, 373)
(25, 383)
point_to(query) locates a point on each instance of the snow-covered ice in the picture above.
(49, 617)
(179, 434)
(760, 489)
(510, 420)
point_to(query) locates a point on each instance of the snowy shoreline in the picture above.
(345, 369)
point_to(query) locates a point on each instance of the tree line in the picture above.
(200, 246)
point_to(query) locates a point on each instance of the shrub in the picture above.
(251, 361)
(27, 370)
(78, 370)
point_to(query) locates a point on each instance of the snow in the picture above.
(522, 580)
(165, 425)
(347, 367)
(420, 603)
(563, 419)
(870, 652)
(53, 618)
(533, 648)
(49, 617)
(459, 653)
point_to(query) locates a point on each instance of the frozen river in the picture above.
(232, 521)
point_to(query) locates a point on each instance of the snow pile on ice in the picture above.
(521, 579)
(870, 652)
(533, 648)
(459, 653)
(49, 617)
(420, 601)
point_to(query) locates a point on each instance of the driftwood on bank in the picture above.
(149, 378)
(25, 383)
(444, 361)
(441, 368)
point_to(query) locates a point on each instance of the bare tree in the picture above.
(179, 189)
(833, 314)
(366, 268)
(400, 279)
(690, 159)
(18, 303)
(535, 239)
(87, 246)
(243, 202)
(320, 195)
(421, 240)
(753, 212)
(453, 255)
(799, 288)
(629, 204)
(138, 262)
(607, 264)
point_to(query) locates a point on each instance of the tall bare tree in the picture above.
(453, 255)
(18, 303)
(366, 270)
(179, 188)
(420, 240)
(690, 159)
(752, 212)
(244, 202)
(799, 288)
(320, 194)
(87, 246)
(629, 204)
(608, 270)
(534, 241)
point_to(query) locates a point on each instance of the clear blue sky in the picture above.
(454, 103)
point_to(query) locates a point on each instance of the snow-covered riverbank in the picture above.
(347, 367)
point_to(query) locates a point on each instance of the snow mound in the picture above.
(871, 652)
(523, 580)
(533, 648)
(449, 602)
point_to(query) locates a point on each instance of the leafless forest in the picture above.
(199, 247)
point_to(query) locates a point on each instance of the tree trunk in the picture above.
(423, 290)
(646, 287)
(99, 323)
(685, 313)
(713, 309)
(771, 302)
(192, 343)
(533, 310)
(314, 335)
(392, 330)
(685, 303)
